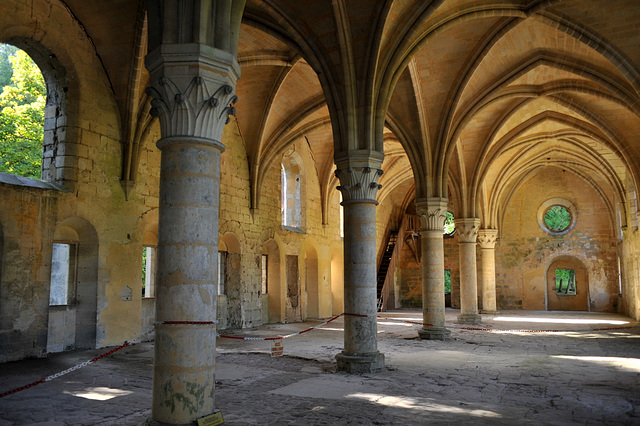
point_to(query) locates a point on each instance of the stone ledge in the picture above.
(10, 179)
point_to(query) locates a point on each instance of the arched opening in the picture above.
(230, 278)
(337, 282)
(311, 282)
(272, 300)
(22, 101)
(36, 98)
(567, 286)
(73, 287)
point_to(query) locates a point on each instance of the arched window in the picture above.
(291, 200)
(33, 118)
(23, 95)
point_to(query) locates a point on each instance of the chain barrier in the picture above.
(78, 366)
(250, 338)
(225, 336)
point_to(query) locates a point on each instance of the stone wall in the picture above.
(525, 251)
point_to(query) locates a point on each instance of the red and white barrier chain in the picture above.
(134, 341)
(226, 336)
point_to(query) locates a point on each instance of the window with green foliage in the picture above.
(447, 280)
(565, 281)
(449, 224)
(22, 103)
(557, 218)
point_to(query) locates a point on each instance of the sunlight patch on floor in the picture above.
(99, 393)
(421, 404)
(627, 364)
(561, 320)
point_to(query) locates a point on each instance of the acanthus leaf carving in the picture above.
(487, 238)
(200, 110)
(432, 213)
(467, 230)
(359, 183)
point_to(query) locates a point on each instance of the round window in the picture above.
(557, 218)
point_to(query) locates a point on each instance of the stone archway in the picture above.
(567, 286)
(73, 299)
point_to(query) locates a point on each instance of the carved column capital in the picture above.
(467, 230)
(487, 238)
(432, 213)
(358, 172)
(193, 90)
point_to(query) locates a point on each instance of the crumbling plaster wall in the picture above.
(30, 216)
(525, 251)
(255, 228)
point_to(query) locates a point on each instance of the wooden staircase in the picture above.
(384, 265)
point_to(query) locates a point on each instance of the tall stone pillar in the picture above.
(467, 231)
(192, 86)
(358, 172)
(487, 240)
(432, 212)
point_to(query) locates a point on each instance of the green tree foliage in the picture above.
(557, 218)
(565, 281)
(447, 280)
(22, 103)
(449, 224)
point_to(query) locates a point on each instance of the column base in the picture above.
(151, 422)
(488, 312)
(469, 319)
(434, 333)
(360, 363)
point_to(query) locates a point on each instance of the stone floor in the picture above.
(502, 374)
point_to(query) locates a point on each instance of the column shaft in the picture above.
(467, 235)
(184, 363)
(432, 216)
(358, 173)
(488, 280)
(360, 278)
(192, 86)
(487, 240)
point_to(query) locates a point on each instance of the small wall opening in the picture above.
(567, 286)
(74, 280)
(230, 278)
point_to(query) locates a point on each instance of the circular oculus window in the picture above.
(556, 216)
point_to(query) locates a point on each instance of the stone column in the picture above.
(467, 231)
(487, 240)
(192, 86)
(358, 172)
(432, 216)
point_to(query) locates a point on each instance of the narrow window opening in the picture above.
(265, 273)
(23, 96)
(64, 258)
(291, 196)
(222, 266)
(148, 271)
(447, 280)
(565, 282)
